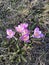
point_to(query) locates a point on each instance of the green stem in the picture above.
(16, 41)
(15, 38)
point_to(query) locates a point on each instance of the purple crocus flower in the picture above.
(37, 33)
(21, 27)
(25, 25)
(25, 31)
(10, 33)
(25, 38)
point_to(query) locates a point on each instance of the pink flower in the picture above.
(25, 31)
(25, 38)
(10, 33)
(25, 25)
(37, 33)
(21, 27)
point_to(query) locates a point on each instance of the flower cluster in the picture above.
(22, 29)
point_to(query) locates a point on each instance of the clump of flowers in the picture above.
(22, 28)
(37, 33)
(10, 33)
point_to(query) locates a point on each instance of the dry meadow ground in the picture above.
(33, 12)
